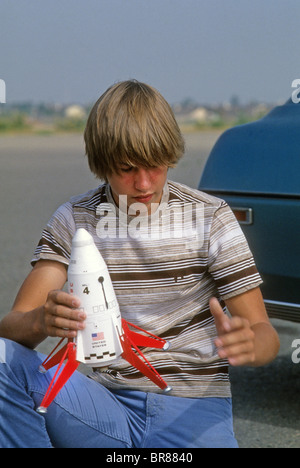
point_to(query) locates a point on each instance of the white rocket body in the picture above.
(88, 279)
(106, 335)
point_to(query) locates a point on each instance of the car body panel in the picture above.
(256, 168)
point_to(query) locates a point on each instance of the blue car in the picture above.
(256, 168)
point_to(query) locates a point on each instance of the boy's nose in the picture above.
(142, 180)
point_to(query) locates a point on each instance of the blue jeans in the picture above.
(86, 414)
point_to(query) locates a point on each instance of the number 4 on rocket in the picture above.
(106, 335)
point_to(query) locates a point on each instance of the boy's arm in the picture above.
(41, 308)
(247, 337)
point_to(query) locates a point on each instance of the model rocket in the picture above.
(106, 335)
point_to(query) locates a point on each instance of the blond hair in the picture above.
(131, 124)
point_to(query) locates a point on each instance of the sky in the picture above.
(71, 51)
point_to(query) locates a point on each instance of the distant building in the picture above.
(199, 115)
(75, 112)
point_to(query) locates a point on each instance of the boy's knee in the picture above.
(8, 350)
(14, 354)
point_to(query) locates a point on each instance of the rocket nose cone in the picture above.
(82, 238)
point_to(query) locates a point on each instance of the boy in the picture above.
(171, 252)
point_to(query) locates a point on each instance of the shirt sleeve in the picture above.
(56, 239)
(231, 262)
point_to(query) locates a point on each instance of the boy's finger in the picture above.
(221, 319)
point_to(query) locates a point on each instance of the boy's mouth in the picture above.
(144, 198)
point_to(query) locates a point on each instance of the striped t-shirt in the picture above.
(164, 268)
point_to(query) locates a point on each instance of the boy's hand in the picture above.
(235, 340)
(62, 316)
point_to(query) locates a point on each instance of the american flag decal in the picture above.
(97, 336)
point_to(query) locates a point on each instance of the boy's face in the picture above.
(139, 185)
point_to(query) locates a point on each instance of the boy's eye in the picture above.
(126, 168)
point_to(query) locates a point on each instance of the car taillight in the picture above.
(243, 215)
